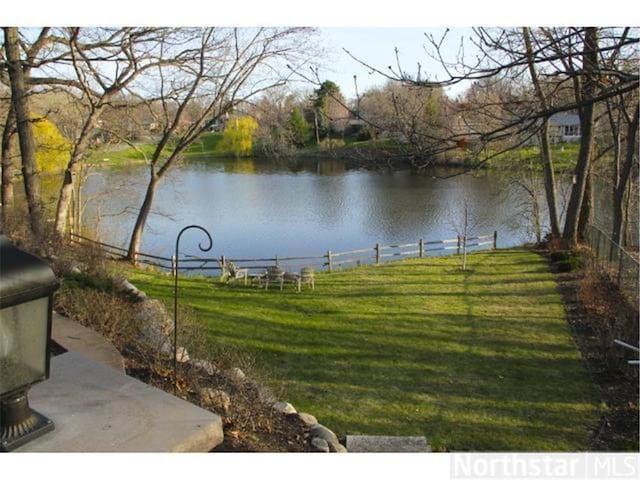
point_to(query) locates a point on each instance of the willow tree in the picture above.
(237, 136)
(220, 69)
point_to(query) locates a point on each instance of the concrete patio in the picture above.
(95, 407)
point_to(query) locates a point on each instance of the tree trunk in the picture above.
(549, 180)
(625, 173)
(616, 130)
(581, 176)
(70, 182)
(586, 212)
(8, 168)
(545, 148)
(25, 133)
(586, 113)
(141, 221)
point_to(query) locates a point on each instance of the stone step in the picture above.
(390, 444)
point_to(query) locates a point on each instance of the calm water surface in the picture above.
(256, 209)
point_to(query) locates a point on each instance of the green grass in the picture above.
(122, 154)
(563, 155)
(476, 360)
(207, 144)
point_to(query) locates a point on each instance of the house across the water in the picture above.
(564, 128)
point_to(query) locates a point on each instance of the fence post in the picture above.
(458, 251)
(277, 260)
(421, 243)
(329, 261)
(174, 265)
(377, 254)
(495, 239)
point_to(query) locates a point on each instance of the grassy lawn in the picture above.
(122, 155)
(476, 360)
(207, 144)
(564, 156)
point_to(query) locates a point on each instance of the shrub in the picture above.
(237, 137)
(97, 309)
(330, 143)
(566, 260)
(611, 318)
(52, 149)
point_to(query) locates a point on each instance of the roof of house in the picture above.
(564, 119)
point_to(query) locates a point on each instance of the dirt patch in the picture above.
(587, 312)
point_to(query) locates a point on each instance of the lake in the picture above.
(260, 208)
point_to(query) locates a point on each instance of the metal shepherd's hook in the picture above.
(175, 297)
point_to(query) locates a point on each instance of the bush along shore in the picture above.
(364, 154)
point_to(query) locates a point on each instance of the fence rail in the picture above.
(621, 268)
(330, 260)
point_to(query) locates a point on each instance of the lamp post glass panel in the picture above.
(23, 342)
(26, 287)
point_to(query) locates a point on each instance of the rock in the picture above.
(151, 336)
(153, 312)
(127, 287)
(236, 374)
(323, 432)
(320, 431)
(124, 285)
(284, 407)
(264, 394)
(308, 419)
(336, 447)
(204, 365)
(219, 400)
(319, 445)
(75, 270)
(182, 355)
(166, 349)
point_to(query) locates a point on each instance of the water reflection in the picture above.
(266, 208)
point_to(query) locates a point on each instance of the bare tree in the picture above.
(465, 223)
(592, 63)
(412, 116)
(622, 181)
(8, 166)
(104, 64)
(545, 143)
(220, 69)
(18, 75)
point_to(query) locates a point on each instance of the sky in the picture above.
(376, 46)
(369, 29)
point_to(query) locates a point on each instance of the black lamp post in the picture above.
(26, 288)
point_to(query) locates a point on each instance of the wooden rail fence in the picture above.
(330, 260)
